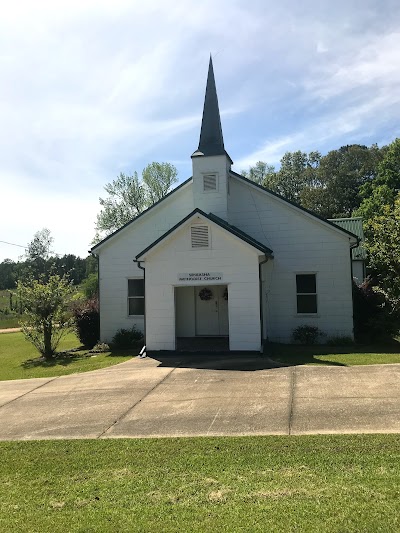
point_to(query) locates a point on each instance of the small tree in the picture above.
(46, 318)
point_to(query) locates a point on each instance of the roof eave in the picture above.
(249, 241)
(106, 239)
(299, 207)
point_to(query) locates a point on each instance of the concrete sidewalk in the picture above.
(210, 396)
(10, 330)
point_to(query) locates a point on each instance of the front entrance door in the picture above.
(212, 314)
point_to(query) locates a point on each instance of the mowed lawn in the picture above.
(354, 354)
(19, 359)
(8, 318)
(276, 484)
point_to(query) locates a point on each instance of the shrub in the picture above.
(101, 347)
(375, 317)
(87, 321)
(306, 334)
(340, 341)
(90, 286)
(128, 338)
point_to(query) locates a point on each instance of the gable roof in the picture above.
(293, 204)
(140, 214)
(232, 229)
(219, 222)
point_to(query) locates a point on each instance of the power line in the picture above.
(13, 244)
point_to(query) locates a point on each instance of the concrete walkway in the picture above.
(10, 330)
(210, 396)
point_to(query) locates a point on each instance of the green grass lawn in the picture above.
(8, 319)
(335, 355)
(19, 359)
(276, 484)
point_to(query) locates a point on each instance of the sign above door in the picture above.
(200, 276)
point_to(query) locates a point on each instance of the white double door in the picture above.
(212, 314)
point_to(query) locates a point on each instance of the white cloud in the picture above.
(331, 128)
(91, 88)
(374, 64)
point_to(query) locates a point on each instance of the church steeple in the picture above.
(211, 138)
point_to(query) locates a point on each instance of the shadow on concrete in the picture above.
(240, 361)
(274, 356)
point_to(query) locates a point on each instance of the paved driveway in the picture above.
(212, 396)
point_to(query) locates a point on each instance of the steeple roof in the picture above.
(211, 138)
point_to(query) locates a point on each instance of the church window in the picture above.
(136, 296)
(306, 289)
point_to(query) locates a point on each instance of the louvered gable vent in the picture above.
(199, 236)
(209, 182)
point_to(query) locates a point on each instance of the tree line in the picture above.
(352, 181)
(39, 262)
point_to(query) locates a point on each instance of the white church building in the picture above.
(221, 256)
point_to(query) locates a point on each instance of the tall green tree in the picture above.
(126, 199)
(8, 274)
(158, 178)
(261, 173)
(341, 175)
(40, 245)
(382, 243)
(128, 196)
(37, 254)
(382, 191)
(298, 170)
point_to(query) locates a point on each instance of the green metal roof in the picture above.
(354, 225)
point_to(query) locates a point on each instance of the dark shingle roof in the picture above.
(211, 138)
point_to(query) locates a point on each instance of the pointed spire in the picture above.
(211, 139)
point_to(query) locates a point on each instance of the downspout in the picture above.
(351, 255)
(261, 303)
(351, 271)
(143, 350)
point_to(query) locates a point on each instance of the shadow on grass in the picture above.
(291, 354)
(73, 356)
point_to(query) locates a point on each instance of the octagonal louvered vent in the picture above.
(199, 236)
(209, 182)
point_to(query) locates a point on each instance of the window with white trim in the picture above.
(136, 296)
(306, 292)
(200, 236)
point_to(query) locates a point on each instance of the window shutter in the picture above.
(209, 182)
(199, 236)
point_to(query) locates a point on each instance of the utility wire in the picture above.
(13, 244)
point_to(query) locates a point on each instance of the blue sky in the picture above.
(89, 89)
